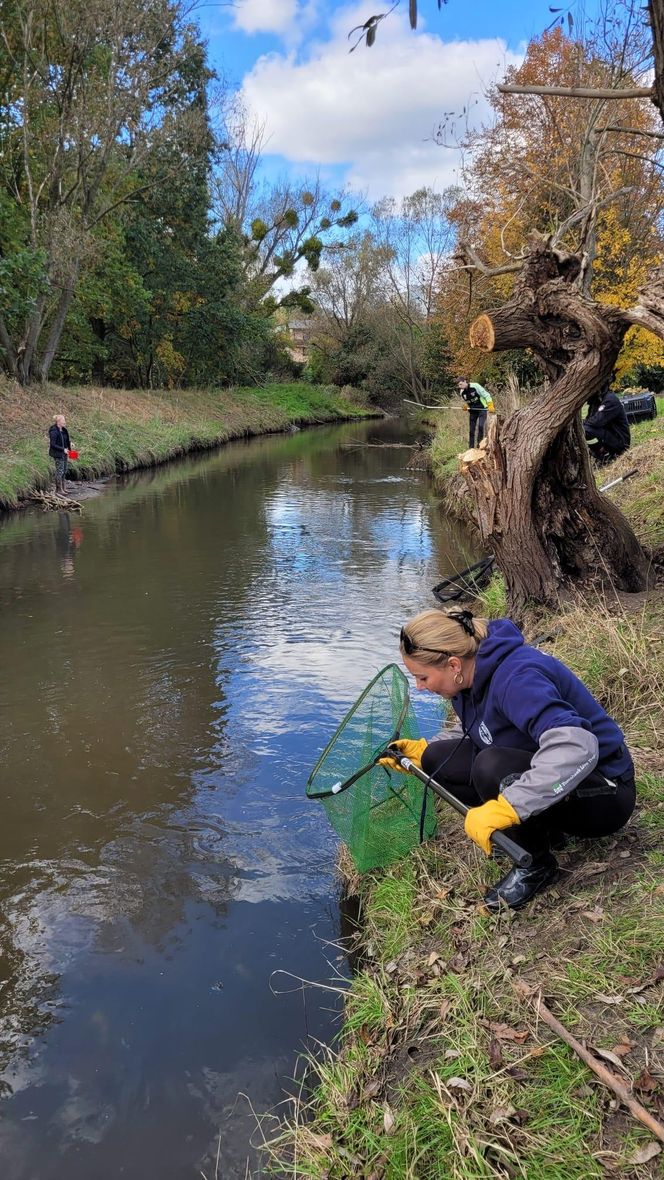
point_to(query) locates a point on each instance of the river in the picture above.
(172, 661)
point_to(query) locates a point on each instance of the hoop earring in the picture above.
(458, 679)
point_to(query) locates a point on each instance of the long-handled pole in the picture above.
(499, 840)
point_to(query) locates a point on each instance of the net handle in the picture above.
(343, 786)
(348, 782)
(499, 840)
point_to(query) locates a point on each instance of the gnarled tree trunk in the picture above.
(536, 502)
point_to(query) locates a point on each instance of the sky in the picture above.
(366, 119)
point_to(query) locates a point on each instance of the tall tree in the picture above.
(90, 90)
(535, 496)
(417, 236)
(286, 226)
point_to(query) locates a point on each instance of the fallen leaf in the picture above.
(612, 1057)
(496, 1059)
(609, 999)
(459, 1084)
(645, 1082)
(451, 1054)
(623, 1048)
(323, 1142)
(624, 855)
(646, 1154)
(444, 1009)
(501, 1114)
(433, 958)
(372, 1089)
(591, 869)
(388, 1120)
(595, 915)
(521, 1117)
(505, 1033)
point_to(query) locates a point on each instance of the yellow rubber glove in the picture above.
(491, 408)
(465, 407)
(411, 748)
(491, 817)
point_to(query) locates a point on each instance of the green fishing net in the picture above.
(376, 812)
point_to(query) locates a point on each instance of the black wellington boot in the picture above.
(520, 885)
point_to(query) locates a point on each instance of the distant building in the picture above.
(301, 332)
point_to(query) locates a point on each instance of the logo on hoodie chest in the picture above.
(485, 734)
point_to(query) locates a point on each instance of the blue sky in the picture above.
(367, 119)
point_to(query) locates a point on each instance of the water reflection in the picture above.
(172, 664)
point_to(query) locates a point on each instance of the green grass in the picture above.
(442, 1070)
(118, 430)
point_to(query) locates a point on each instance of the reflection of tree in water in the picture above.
(28, 999)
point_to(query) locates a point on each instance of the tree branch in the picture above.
(579, 91)
(470, 260)
(632, 131)
(592, 208)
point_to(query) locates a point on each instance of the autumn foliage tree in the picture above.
(573, 154)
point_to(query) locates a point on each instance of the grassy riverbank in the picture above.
(442, 1069)
(117, 430)
(641, 498)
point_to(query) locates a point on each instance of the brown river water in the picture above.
(171, 664)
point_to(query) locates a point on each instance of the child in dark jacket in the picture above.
(532, 751)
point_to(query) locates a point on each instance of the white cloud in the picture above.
(264, 16)
(374, 111)
(269, 16)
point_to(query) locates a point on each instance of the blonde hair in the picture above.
(444, 632)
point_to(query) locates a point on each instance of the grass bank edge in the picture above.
(440, 1069)
(122, 430)
(639, 498)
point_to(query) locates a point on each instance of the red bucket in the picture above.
(73, 454)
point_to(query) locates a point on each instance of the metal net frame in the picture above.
(375, 811)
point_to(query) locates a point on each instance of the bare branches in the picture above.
(580, 91)
(469, 259)
(632, 131)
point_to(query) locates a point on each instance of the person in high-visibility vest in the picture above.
(477, 401)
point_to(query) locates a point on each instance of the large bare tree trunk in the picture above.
(536, 502)
(656, 16)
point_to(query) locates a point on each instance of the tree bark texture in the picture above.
(656, 16)
(537, 505)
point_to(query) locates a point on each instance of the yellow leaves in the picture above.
(172, 362)
(639, 348)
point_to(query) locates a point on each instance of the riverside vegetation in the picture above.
(117, 430)
(441, 1069)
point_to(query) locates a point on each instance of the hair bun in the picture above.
(465, 620)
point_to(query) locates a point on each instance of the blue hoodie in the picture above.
(519, 693)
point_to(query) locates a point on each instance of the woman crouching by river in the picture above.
(532, 751)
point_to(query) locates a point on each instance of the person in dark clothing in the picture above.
(477, 401)
(59, 446)
(531, 752)
(607, 425)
